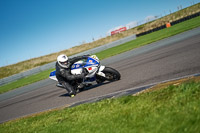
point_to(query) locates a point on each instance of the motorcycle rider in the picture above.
(63, 72)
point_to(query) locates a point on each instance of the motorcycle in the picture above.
(95, 73)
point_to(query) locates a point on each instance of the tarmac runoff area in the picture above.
(141, 68)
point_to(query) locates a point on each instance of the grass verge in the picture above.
(25, 81)
(174, 108)
(140, 41)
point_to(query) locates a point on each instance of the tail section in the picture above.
(53, 75)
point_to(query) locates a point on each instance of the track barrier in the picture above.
(171, 23)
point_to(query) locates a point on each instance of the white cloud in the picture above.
(131, 25)
(150, 18)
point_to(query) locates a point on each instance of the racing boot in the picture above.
(72, 93)
(69, 89)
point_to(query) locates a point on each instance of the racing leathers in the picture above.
(65, 77)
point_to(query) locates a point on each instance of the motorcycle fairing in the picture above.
(91, 62)
(53, 75)
(91, 65)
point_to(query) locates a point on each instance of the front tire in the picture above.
(110, 75)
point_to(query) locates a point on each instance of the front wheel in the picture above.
(110, 75)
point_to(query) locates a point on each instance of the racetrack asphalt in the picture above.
(167, 59)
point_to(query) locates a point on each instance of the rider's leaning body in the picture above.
(63, 72)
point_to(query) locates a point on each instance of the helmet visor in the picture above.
(64, 63)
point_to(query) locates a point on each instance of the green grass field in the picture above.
(171, 109)
(140, 41)
(25, 81)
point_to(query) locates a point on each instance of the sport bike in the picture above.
(95, 73)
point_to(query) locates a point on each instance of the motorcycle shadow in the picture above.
(94, 86)
(87, 88)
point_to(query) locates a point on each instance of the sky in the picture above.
(33, 28)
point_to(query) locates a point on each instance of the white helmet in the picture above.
(62, 60)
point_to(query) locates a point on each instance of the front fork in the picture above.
(100, 73)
